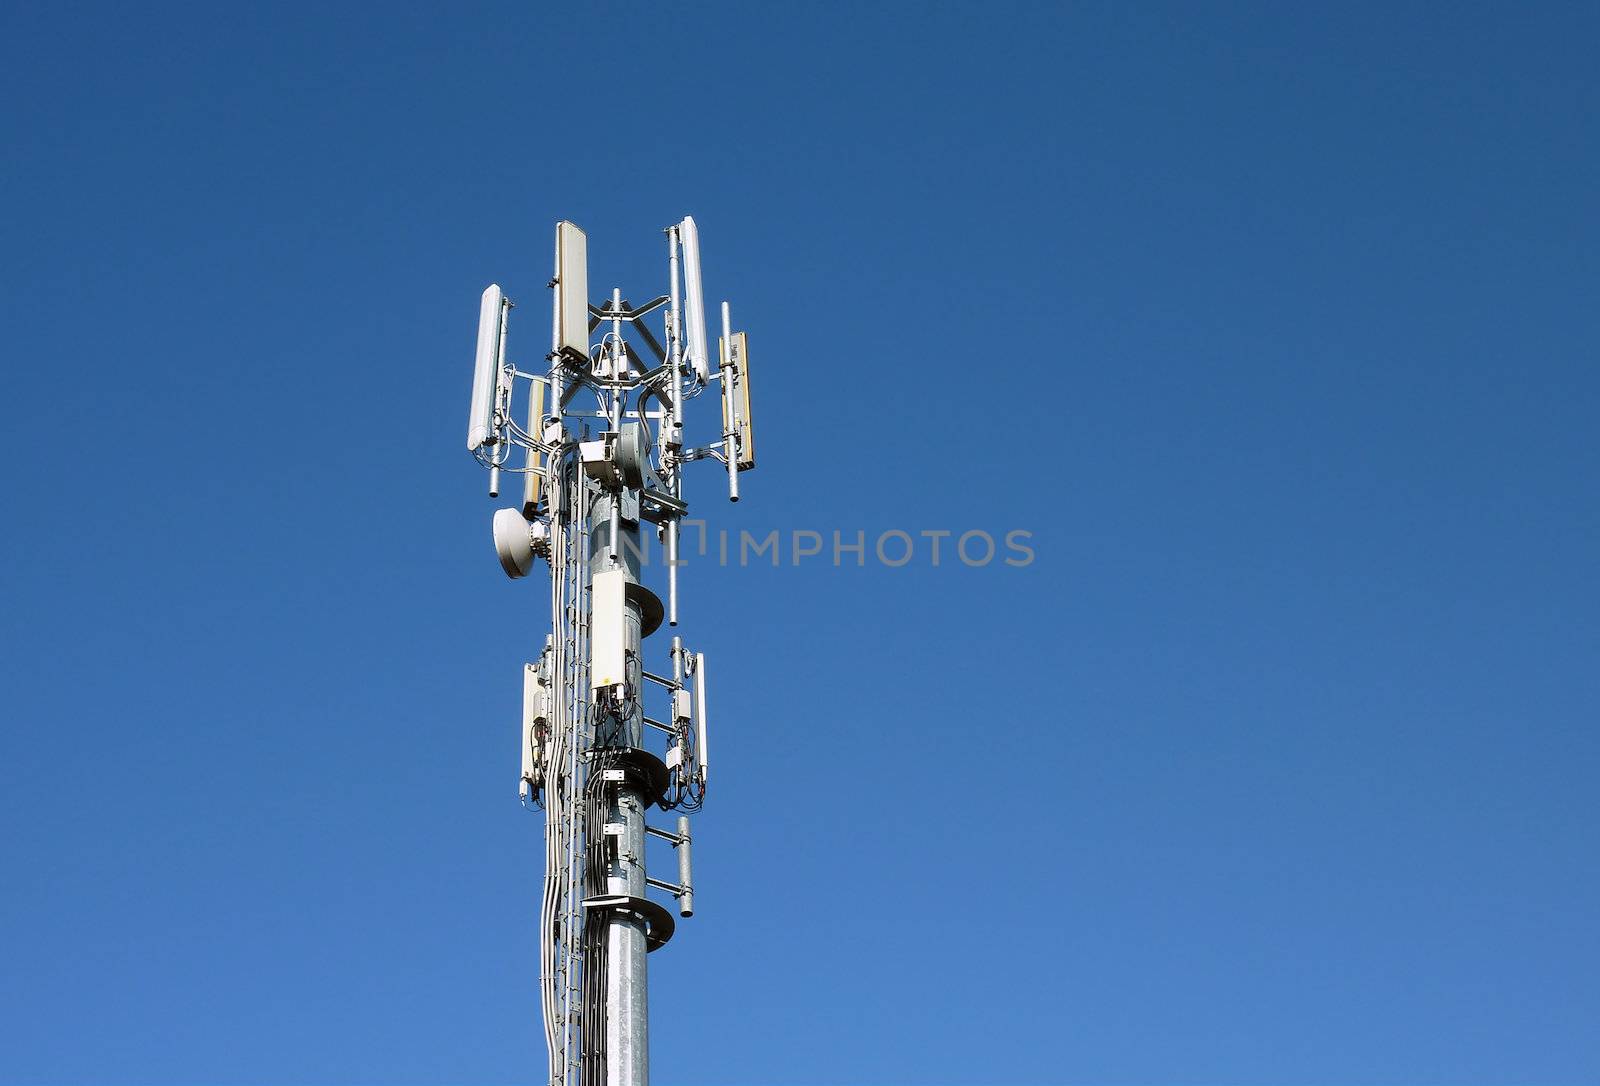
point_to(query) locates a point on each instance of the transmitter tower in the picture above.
(611, 730)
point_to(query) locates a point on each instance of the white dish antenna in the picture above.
(695, 300)
(517, 541)
(486, 367)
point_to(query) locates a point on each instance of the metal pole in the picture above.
(675, 360)
(627, 1036)
(685, 869)
(730, 439)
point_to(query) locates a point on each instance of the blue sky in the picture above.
(1275, 327)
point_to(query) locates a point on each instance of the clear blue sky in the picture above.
(1277, 328)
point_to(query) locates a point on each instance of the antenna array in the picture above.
(594, 476)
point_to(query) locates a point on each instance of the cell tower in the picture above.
(593, 476)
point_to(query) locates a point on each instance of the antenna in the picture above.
(517, 541)
(736, 397)
(604, 462)
(572, 292)
(533, 478)
(535, 726)
(486, 366)
(695, 301)
(700, 714)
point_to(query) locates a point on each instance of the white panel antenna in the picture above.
(533, 478)
(535, 719)
(703, 751)
(486, 367)
(572, 293)
(608, 659)
(736, 396)
(694, 301)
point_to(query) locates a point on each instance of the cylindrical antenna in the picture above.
(494, 482)
(685, 869)
(700, 713)
(619, 352)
